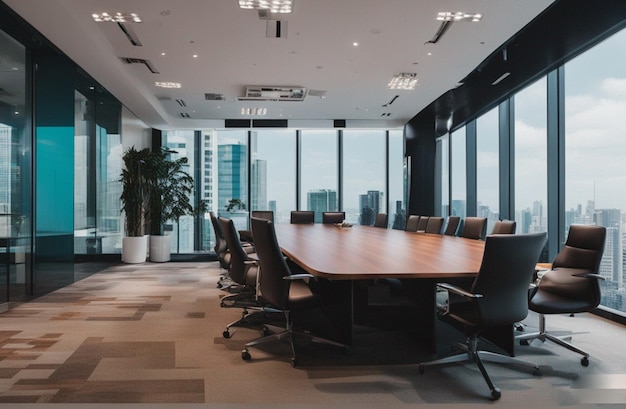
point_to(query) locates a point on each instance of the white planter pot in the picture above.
(134, 249)
(160, 249)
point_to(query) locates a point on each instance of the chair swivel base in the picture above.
(472, 354)
(285, 332)
(543, 335)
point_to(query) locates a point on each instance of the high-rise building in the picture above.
(233, 179)
(369, 205)
(258, 187)
(322, 200)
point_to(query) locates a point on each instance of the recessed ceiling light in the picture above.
(195, 56)
(355, 44)
(166, 84)
(116, 17)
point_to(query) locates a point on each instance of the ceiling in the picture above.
(343, 81)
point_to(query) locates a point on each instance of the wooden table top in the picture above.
(364, 252)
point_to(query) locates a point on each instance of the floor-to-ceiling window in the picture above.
(273, 172)
(458, 173)
(15, 165)
(182, 231)
(363, 175)
(319, 179)
(595, 148)
(395, 161)
(231, 165)
(487, 167)
(531, 161)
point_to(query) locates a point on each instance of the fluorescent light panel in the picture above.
(458, 16)
(116, 17)
(253, 111)
(274, 6)
(165, 84)
(404, 80)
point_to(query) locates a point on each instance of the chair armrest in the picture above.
(458, 290)
(298, 276)
(589, 275)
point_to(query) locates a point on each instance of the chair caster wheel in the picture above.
(265, 331)
(420, 369)
(537, 372)
(524, 342)
(245, 355)
(226, 334)
(294, 362)
(495, 394)
(584, 361)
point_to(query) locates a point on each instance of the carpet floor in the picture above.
(150, 336)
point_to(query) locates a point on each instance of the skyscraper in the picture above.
(369, 205)
(322, 200)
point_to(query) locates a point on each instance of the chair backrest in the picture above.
(238, 255)
(411, 223)
(273, 267)
(434, 225)
(452, 226)
(583, 248)
(302, 216)
(507, 267)
(221, 248)
(582, 253)
(504, 227)
(423, 222)
(381, 220)
(474, 228)
(333, 217)
(263, 214)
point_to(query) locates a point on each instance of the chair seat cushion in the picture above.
(545, 302)
(301, 296)
(560, 291)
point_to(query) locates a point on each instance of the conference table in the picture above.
(352, 258)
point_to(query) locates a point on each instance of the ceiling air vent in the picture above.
(274, 93)
(184, 115)
(214, 97)
(147, 63)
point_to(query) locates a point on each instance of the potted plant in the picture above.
(170, 187)
(133, 198)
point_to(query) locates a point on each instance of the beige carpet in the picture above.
(152, 334)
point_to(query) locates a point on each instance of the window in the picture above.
(595, 148)
(531, 158)
(319, 172)
(397, 205)
(458, 173)
(232, 177)
(273, 172)
(487, 167)
(364, 175)
(443, 165)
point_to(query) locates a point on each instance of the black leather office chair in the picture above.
(302, 217)
(497, 297)
(423, 222)
(279, 289)
(571, 285)
(221, 249)
(381, 220)
(333, 217)
(243, 273)
(452, 226)
(474, 228)
(434, 225)
(411, 223)
(246, 235)
(504, 227)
